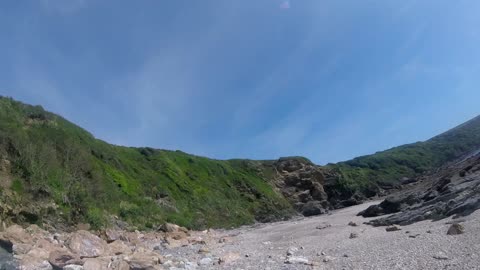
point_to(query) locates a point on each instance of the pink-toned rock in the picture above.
(60, 258)
(140, 260)
(21, 249)
(39, 253)
(87, 245)
(31, 263)
(16, 234)
(118, 247)
(96, 264)
(112, 235)
(229, 258)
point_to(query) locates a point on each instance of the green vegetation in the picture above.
(53, 160)
(389, 167)
(92, 181)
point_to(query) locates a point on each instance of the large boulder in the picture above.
(86, 244)
(313, 208)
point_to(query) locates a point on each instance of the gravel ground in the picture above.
(424, 245)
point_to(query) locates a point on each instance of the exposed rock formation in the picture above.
(452, 190)
(301, 182)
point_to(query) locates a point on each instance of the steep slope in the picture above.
(373, 174)
(74, 178)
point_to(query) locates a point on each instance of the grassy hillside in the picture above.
(389, 167)
(53, 171)
(90, 181)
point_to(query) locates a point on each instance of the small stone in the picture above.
(353, 235)
(323, 226)
(73, 267)
(440, 257)
(205, 262)
(328, 259)
(296, 260)
(456, 229)
(203, 250)
(353, 224)
(429, 231)
(393, 228)
(291, 251)
(345, 255)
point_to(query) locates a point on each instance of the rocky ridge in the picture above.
(453, 190)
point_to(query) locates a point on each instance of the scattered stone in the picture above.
(353, 235)
(429, 231)
(414, 235)
(456, 229)
(205, 262)
(353, 224)
(229, 258)
(440, 257)
(291, 251)
(203, 250)
(297, 260)
(393, 228)
(345, 255)
(323, 226)
(328, 259)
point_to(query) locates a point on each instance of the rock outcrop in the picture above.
(301, 182)
(453, 190)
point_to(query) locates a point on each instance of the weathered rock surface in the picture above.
(453, 190)
(301, 182)
(86, 244)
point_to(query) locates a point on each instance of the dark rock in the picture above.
(313, 208)
(456, 229)
(393, 228)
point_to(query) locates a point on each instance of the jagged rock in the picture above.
(456, 229)
(301, 182)
(353, 235)
(85, 244)
(442, 194)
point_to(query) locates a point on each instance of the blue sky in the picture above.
(325, 79)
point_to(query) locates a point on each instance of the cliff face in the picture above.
(301, 182)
